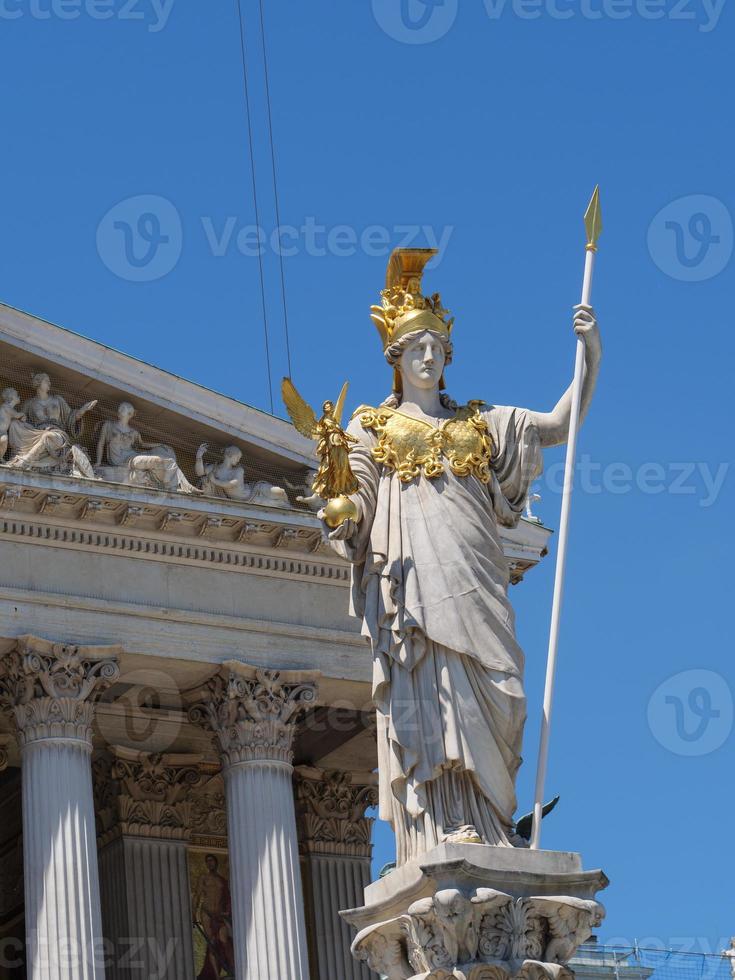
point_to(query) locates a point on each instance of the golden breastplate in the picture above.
(411, 446)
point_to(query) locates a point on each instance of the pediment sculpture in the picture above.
(226, 478)
(43, 434)
(124, 457)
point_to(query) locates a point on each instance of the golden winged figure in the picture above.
(334, 477)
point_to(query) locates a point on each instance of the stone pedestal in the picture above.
(336, 850)
(143, 802)
(473, 912)
(51, 691)
(253, 713)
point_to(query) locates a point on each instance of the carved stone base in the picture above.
(474, 912)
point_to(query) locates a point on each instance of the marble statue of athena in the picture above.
(429, 578)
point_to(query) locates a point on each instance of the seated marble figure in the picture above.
(226, 478)
(44, 434)
(124, 457)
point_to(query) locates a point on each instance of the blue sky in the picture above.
(484, 129)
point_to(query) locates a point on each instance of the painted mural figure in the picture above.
(212, 911)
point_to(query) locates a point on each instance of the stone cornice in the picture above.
(253, 711)
(331, 807)
(93, 516)
(153, 525)
(51, 688)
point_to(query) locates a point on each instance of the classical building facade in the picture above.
(186, 733)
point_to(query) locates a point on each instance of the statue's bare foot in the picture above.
(463, 835)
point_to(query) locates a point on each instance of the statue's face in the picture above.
(11, 397)
(43, 385)
(422, 363)
(125, 412)
(233, 456)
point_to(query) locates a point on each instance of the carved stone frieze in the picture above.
(145, 794)
(330, 809)
(252, 711)
(480, 934)
(51, 688)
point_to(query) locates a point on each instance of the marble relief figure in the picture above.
(8, 413)
(226, 478)
(430, 581)
(124, 457)
(44, 435)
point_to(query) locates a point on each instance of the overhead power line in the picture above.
(275, 182)
(246, 92)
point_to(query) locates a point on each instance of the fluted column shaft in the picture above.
(146, 903)
(253, 713)
(265, 877)
(63, 926)
(335, 843)
(51, 689)
(145, 808)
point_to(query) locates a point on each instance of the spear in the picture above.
(593, 227)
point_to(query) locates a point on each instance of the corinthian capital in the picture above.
(145, 794)
(51, 688)
(252, 711)
(331, 809)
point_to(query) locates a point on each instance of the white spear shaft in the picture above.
(593, 223)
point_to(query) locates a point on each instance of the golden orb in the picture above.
(339, 510)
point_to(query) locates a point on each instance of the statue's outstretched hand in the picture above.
(342, 532)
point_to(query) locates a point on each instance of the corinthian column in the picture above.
(253, 713)
(51, 690)
(335, 842)
(145, 809)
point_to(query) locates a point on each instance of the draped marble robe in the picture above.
(430, 582)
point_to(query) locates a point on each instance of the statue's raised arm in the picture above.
(553, 426)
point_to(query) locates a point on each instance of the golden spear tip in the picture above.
(593, 220)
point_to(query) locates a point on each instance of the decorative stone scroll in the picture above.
(477, 912)
(253, 711)
(483, 935)
(51, 688)
(330, 810)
